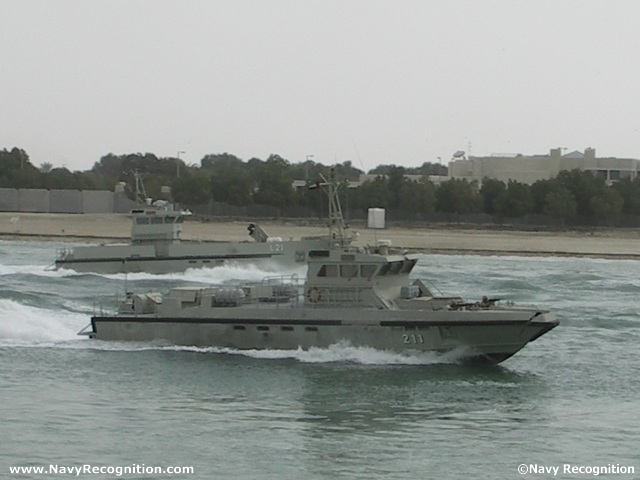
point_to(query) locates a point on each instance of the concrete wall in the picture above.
(33, 200)
(121, 204)
(97, 201)
(65, 201)
(9, 200)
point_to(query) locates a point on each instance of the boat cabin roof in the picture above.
(346, 264)
(145, 216)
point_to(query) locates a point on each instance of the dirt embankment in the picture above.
(606, 243)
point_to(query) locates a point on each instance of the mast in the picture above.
(141, 194)
(337, 226)
(336, 220)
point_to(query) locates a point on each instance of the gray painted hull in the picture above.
(485, 336)
(111, 259)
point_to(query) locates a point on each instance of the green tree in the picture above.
(629, 190)
(231, 185)
(58, 178)
(374, 193)
(381, 170)
(458, 196)
(218, 160)
(584, 186)
(539, 192)
(16, 170)
(88, 180)
(274, 185)
(191, 189)
(417, 197)
(515, 201)
(491, 190)
(561, 205)
(429, 168)
(396, 180)
(156, 171)
(347, 171)
(607, 205)
(109, 164)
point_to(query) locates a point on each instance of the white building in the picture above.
(530, 169)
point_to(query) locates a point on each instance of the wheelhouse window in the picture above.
(142, 221)
(407, 266)
(391, 268)
(348, 271)
(367, 271)
(328, 271)
(395, 268)
(156, 220)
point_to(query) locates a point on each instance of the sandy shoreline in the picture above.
(614, 243)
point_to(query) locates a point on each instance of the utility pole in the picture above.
(306, 168)
(178, 164)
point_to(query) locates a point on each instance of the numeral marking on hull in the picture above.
(412, 339)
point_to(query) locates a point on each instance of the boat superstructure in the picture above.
(156, 247)
(361, 296)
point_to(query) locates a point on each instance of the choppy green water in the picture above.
(572, 397)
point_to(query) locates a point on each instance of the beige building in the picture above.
(529, 169)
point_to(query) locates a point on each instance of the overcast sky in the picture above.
(369, 81)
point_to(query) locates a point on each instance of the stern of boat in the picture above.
(88, 331)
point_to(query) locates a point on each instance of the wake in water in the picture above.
(48, 307)
(341, 352)
(230, 271)
(22, 325)
(26, 326)
(345, 352)
(39, 270)
(227, 273)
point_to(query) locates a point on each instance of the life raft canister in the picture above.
(313, 295)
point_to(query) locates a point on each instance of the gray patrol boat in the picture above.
(362, 296)
(156, 246)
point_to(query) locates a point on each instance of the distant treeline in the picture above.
(573, 197)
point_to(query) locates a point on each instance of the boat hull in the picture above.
(111, 259)
(480, 338)
(155, 265)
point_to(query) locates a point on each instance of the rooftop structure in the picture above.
(531, 168)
